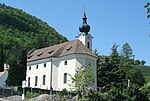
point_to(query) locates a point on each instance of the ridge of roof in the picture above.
(76, 48)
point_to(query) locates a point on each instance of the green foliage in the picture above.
(116, 94)
(132, 93)
(146, 72)
(127, 52)
(31, 95)
(136, 94)
(63, 95)
(82, 79)
(116, 70)
(1, 59)
(147, 6)
(19, 33)
(146, 90)
(143, 62)
(147, 79)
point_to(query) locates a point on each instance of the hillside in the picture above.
(15, 22)
(146, 72)
(19, 33)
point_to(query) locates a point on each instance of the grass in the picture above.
(147, 79)
(146, 72)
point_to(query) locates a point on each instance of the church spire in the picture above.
(84, 27)
(84, 17)
(84, 36)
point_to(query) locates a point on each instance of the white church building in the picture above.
(50, 67)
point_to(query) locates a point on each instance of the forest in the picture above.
(19, 33)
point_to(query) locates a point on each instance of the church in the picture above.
(49, 67)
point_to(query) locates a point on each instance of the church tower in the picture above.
(84, 36)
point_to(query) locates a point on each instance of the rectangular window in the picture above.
(28, 81)
(44, 79)
(66, 62)
(36, 66)
(36, 80)
(65, 78)
(44, 64)
(30, 68)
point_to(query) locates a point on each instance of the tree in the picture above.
(19, 33)
(145, 90)
(114, 52)
(106, 72)
(1, 59)
(143, 62)
(82, 79)
(117, 70)
(127, 52)
(17, 67)
(147, 6)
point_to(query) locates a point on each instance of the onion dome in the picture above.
(84, 27)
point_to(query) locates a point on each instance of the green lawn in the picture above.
(147, 79)
(146, 72)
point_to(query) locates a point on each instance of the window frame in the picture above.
(44, 79)
(44, 64)
(29, 79)
(88, 45)
(29, 67)
(37, 66)
(65, 78)
(65, 62)
(36, 80)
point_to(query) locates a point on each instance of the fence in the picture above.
(5, 92)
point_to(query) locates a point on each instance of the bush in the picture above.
(31, 95)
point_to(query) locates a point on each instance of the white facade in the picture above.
(86, 39)
(60, 66)
(3, 76)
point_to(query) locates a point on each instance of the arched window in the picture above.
(36, 80)
(65, 78)
(88, 45)
(36, 66)
(30, 68)
(66, 62)
(28, 81)
(44, 78)
(44, 64)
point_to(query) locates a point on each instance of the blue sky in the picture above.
(111, 21)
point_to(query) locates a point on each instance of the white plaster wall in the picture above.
(85, 38)
(69, 69)
(82, 39)
(88, 38)
(39, 72)
(74, 61)
(55, 64)
(3, 78)
(92, 62)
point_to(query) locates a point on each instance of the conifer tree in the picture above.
(127, 52)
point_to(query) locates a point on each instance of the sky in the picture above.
(111, 21)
